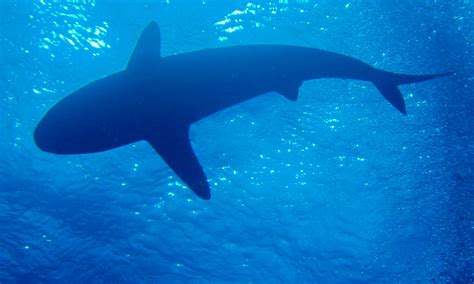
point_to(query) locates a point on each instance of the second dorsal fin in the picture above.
(147, 51)
(290, 90)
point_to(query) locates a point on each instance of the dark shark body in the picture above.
(157, 98)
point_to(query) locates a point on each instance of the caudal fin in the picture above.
(387, 84)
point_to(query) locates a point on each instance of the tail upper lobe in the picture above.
(387, 83)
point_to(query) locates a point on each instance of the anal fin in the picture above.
(175, 149)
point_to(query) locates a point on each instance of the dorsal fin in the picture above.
(147, 51)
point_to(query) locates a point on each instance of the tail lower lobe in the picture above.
(387, 84)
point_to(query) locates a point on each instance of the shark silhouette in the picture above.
(157, 98)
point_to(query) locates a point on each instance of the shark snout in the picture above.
(48, 136)
(43, 139)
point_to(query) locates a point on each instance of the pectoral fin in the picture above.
(175, 148)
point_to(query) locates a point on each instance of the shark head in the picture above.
(95, 118)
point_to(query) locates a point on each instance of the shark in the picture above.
(156, 98)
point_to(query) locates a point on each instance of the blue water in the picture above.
(335, 188)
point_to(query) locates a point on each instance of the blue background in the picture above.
(337, 187)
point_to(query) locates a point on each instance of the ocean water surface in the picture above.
(337, 187)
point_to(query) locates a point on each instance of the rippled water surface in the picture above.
(337, 187)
